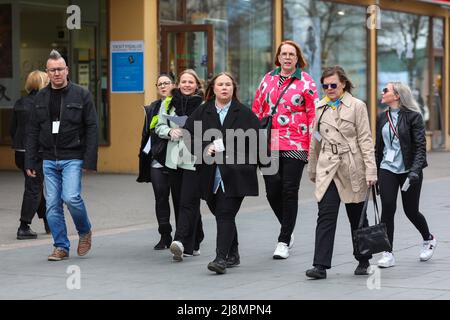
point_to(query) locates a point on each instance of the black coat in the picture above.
(412, 139)
(239, 179)
(77, 137)
(20, 120)
(145, 160)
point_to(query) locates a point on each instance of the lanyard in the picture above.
(391, 127)
(320, 118)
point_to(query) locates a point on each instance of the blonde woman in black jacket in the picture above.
(401, 156)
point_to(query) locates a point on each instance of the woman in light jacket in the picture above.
(401, 156)
(225, 181)
(292, 125)
(342, 164)
(183, 179)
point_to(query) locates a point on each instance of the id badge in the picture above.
(55, 127)
(390, 155)
(317, 136)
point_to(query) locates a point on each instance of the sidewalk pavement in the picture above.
(123, 265)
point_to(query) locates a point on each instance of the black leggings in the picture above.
(389, 183)
(161, 189)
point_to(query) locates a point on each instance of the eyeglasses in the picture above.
(167, 83)
(385, 90)
(53, 70)
(331, 85)
(288, 54)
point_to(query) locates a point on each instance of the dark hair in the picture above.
(301, 63)
(339, 71)
(163, 74)
(209, 95)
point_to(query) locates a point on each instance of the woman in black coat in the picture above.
(228, 133)
(33, 199)
(151, 162)
(401, 156)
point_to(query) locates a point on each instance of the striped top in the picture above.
(295, 154)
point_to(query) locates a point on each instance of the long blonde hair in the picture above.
(406, 98)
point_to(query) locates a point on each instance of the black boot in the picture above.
(164, 243)
(219, 265)
(25, 233)
(318, 272)
(233, 259)
(361, 269)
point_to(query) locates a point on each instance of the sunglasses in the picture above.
(385, 90)
(331, 85)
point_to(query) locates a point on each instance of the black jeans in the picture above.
(161, 189)
(326, 226)
(33, 199)
(389, 183)
(189, 225)
(225, 210)
(282, 194)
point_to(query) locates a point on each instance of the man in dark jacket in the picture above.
(64, 128)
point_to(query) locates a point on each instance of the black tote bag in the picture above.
(372, 239)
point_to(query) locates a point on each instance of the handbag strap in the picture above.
(280, 96)
(364, 209)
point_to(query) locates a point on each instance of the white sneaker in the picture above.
(282, 251)
(428, 249)
(387, 260)
(195, 253)
(177, 248)
(291, 243)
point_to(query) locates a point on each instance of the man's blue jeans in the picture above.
(62, 179)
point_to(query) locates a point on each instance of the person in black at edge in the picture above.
(33, 198)
(151, 159)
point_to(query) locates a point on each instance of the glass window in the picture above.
(42, 26)
(330, 34)
(403, 53)
(242, 45)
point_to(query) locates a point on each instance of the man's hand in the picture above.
(31, 173)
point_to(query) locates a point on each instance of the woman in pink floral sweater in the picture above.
(292, 127)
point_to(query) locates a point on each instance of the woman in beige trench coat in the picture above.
(342, 164)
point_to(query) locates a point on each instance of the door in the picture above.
(188, 47)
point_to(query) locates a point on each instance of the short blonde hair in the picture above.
(36, 80)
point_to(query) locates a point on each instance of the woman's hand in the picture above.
(371, 183)
(211, 150)
(176, 134)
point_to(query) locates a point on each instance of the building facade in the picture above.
(375, 42)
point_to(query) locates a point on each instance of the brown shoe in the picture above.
(58, 254)
(84, 244)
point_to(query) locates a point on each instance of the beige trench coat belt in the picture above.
(342, 149)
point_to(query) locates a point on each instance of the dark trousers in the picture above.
(189, 225)
(389, 183)
(33, 199)
(282, 194)
(326, 226)
(225, 210)
(161, 189)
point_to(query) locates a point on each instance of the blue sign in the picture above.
(127, 67)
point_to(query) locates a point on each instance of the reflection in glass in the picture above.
(329, 34)
(242, 38)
